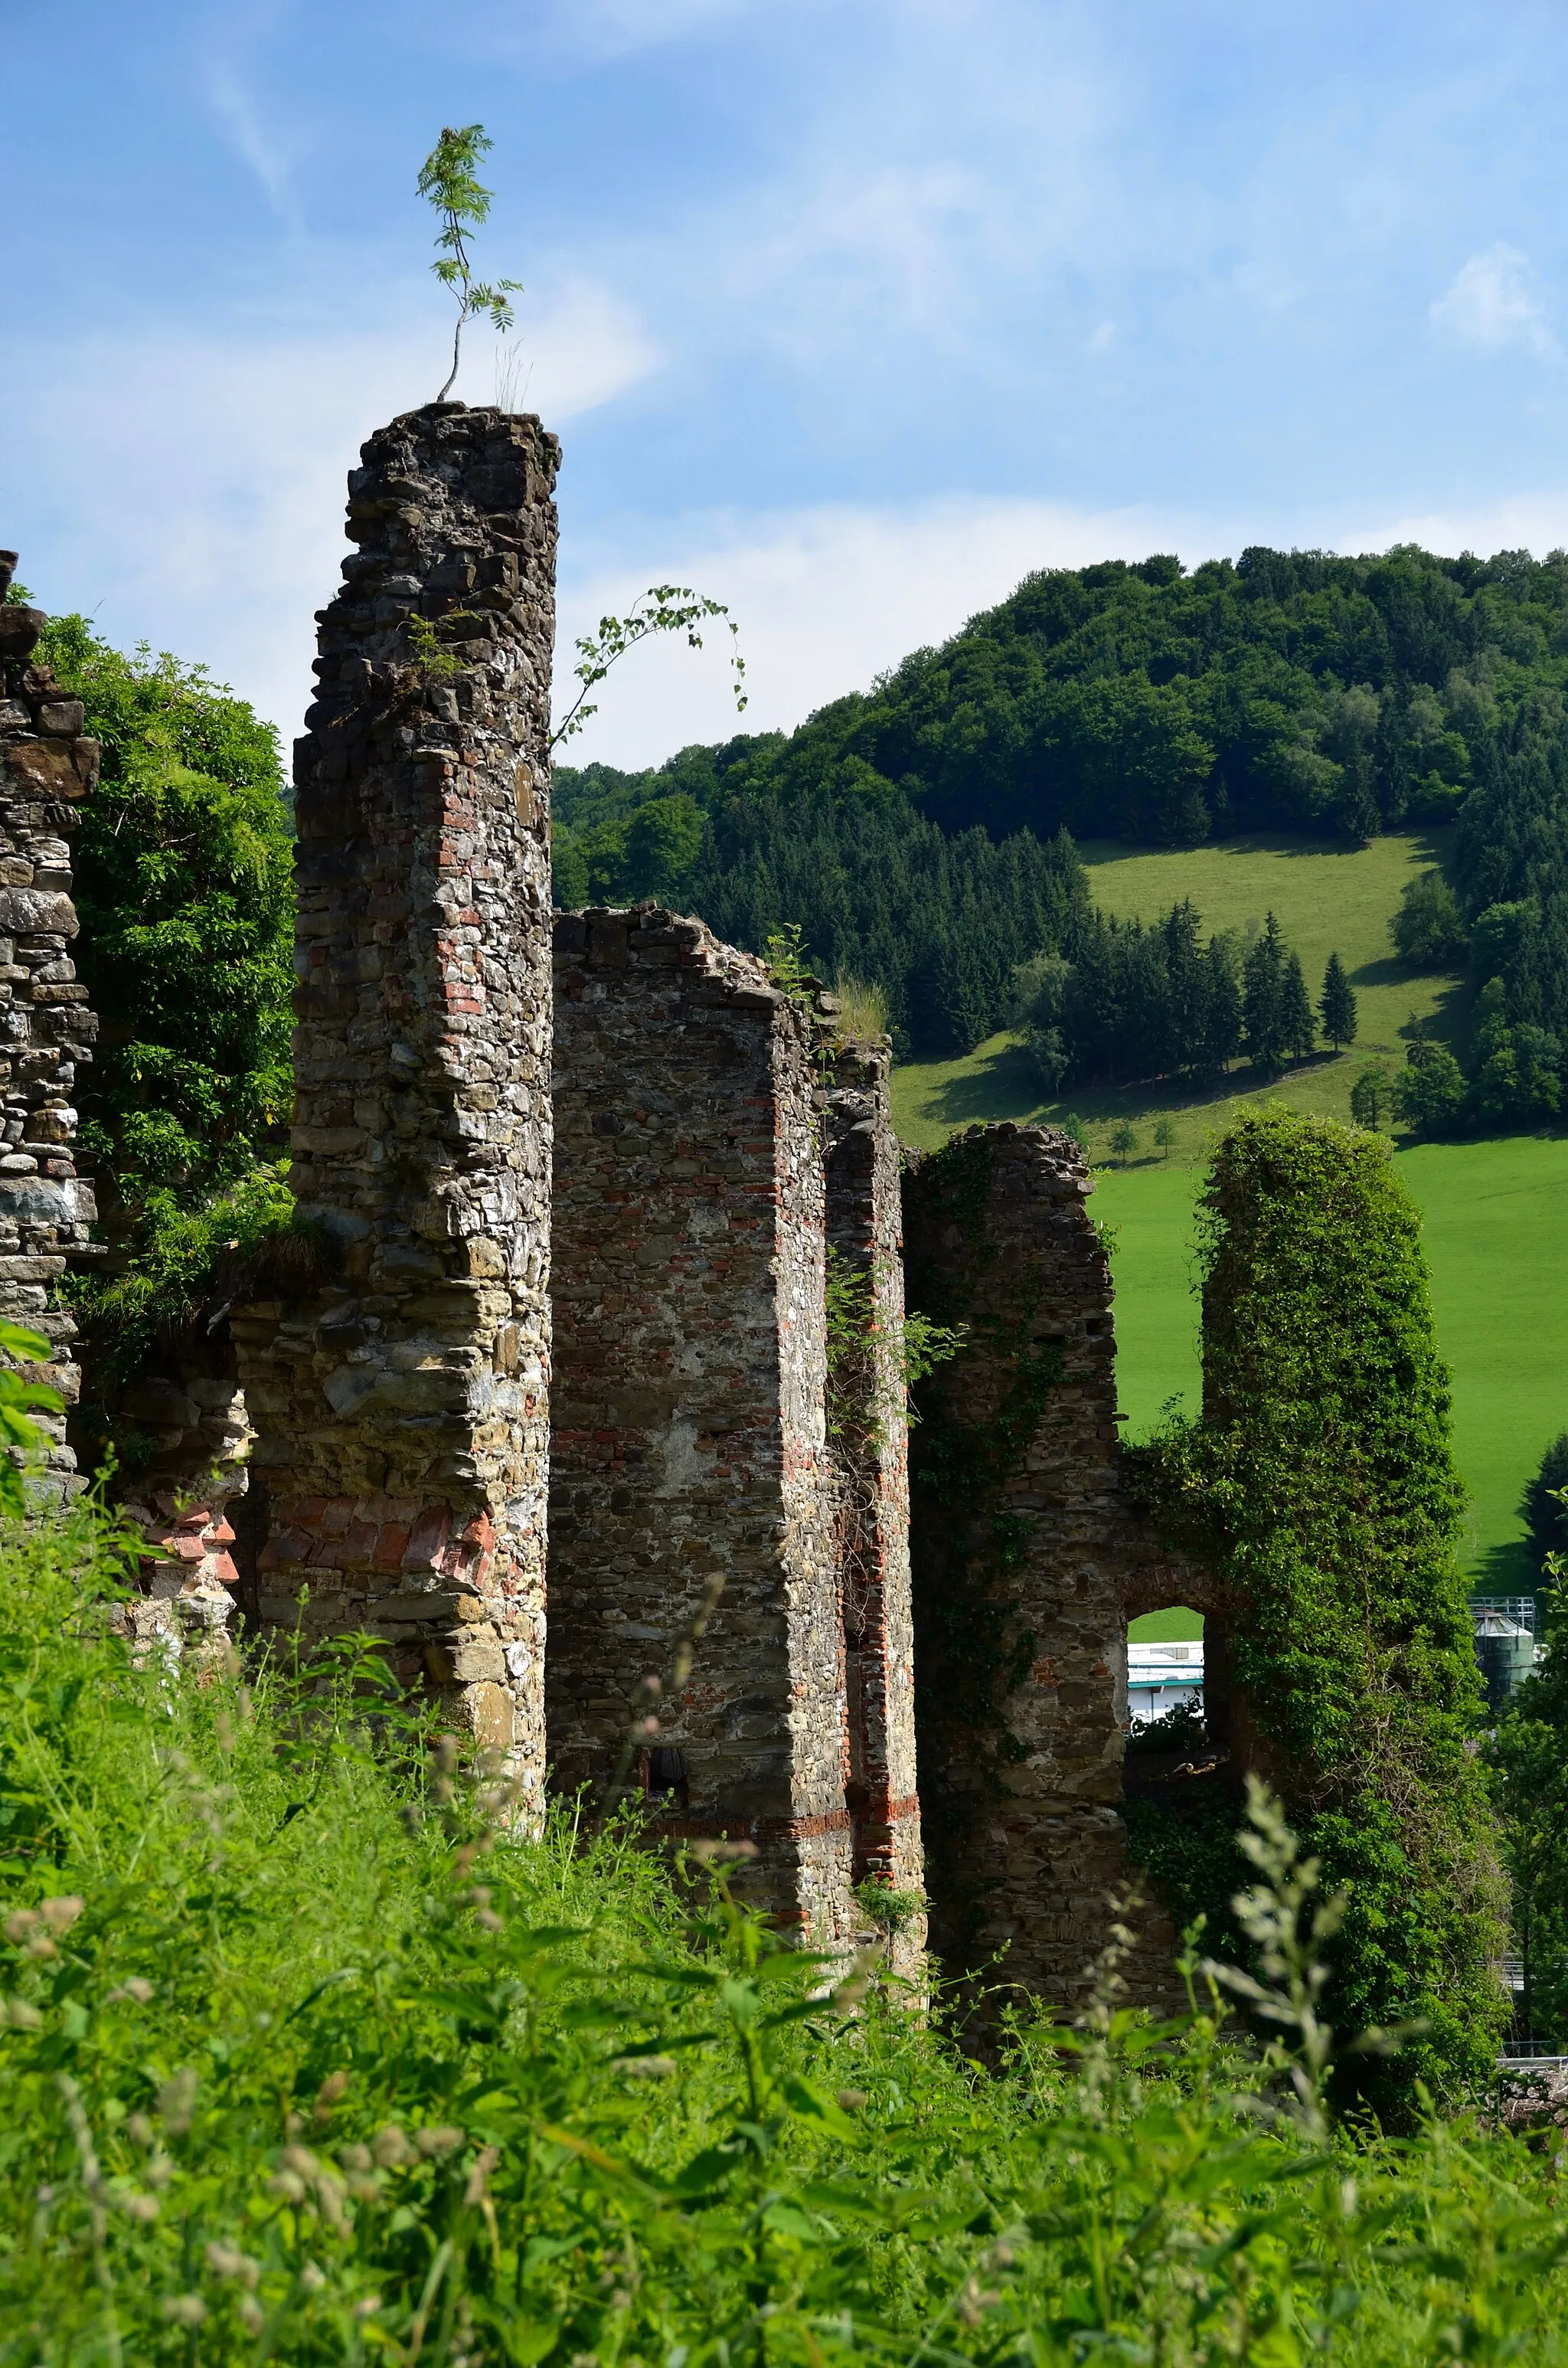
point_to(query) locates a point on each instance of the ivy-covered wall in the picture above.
(1023, 1559)
(1320, 1484)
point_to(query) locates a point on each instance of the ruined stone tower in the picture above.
(46, 768)
(723, 1441)
(402, 1402)
(1025, 1552)
(688, 1439)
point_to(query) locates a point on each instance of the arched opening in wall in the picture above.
(1173, 1723)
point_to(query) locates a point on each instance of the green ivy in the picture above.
(973, 1651)
(1320, 1483)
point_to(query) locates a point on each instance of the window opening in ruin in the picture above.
(1164, 1706)
(663, 1774)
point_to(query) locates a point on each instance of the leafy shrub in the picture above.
(1180, 1728)
(183, 885)
(184, 1257)
(1428, 930)
(1429, 1091)
(1320, 1481)
(308, 2056)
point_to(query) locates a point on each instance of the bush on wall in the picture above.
(1319, 1482)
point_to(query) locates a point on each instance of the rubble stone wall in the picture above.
(871, 1469)
(402, 1405)
(1026, 1561)
(47, 766)
(687, 1427)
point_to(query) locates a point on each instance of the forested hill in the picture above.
(1288, 691)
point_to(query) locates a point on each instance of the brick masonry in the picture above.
(869, 1461)
(1026, 1560)
(400, 1405)
(687, 1433)
(47, 766)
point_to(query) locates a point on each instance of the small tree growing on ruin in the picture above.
(447, 177)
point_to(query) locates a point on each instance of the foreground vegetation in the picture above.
(307, 2058)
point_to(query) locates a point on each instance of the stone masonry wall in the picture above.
(688, 1423)
(1024, 1560)
(46, 1030)
(870, 1444)
(402, 1405)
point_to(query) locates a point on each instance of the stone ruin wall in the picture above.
(867, 1411)
(46, 1033)
(713, 1140)
(1024, 1582)
(688, 1446)
(401, 1399)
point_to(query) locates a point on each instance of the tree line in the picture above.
(1287, 690)
(1291, 690)
(1132, 1001)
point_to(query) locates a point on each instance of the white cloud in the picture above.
(190, 490)
(604, 29)
(1493, 304)
(269, 155)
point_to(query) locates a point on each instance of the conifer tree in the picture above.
(1336, 1006)
(1222, 1038)
(1296, 1024)
(1263, 998)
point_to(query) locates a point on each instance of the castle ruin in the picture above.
(588, 1397)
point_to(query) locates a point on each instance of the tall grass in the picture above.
(307, 2059)
(863, 1010)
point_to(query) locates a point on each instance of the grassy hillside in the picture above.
(1327, 901)
(1494, 1236)
(1498, 1252)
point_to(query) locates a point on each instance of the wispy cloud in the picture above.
(225, 84)
(1493, 303)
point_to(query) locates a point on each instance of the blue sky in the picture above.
(848, 312)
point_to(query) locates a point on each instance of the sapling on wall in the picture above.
(447, 177)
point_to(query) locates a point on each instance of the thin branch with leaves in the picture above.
(662, 609)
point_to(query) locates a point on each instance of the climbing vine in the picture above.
(972, 1652)
(1320, 1483)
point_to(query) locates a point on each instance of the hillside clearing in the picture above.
(1327, 900)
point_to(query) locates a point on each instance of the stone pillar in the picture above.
(402, 1403)
(687, 1433)
(1024, 1551)
(869, 1441)
(46, 768)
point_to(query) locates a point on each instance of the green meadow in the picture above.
(1495, 1214)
